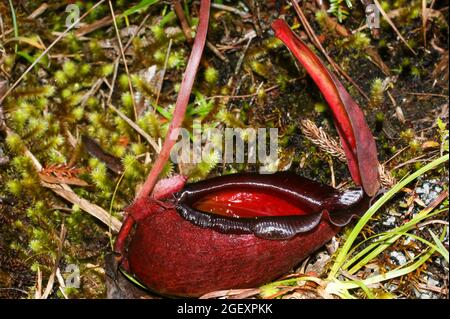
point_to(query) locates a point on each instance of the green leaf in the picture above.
(144, 4)
(26, 56)
(167, 18)
(14, 21)
(164, 112)
(440, 247)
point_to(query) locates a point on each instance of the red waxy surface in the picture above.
(247, 203)
(172, 256)
(356, 139)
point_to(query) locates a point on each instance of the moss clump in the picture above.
(376, 93)
(211, 75)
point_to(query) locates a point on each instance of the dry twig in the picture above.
(51, 279)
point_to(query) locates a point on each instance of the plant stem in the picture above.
(182, 101)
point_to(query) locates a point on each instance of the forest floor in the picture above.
(69, 116)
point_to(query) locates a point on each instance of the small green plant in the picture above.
(443, 132)
(376, 93)
(211, 75)
(338, 9)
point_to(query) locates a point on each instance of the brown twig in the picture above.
(223, 7)
(98, 24)
(383, 13)
(136, 127)
(424, 22)
(130, 86)
(184, 24)
(51, 279)
(251, 95)
(216, 51)
(40, 10)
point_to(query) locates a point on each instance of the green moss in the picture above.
(407, 135)
(260, 69)
(92, 102)
(70, 69)
(211, 75)
(320, 107)
(85, 69)
(36, 246)
(127, 100)
(14, 187)
(376, 93)
(132, 167)
(176, 60)
(106, 69)
(123, 81)
(15, 143)
(272, 43)
(158, 32)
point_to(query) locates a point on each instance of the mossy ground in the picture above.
(65, 96)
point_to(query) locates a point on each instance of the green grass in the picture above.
(14, 21)
(144, 4)
(336, 286)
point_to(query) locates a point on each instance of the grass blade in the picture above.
(342, 255)
(144, 4)
(440, 246)
(14, 22)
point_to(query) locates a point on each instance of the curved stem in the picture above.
(182, 101)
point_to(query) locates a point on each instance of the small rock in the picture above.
(426, 295)
(391, 287)
(433, 282)
(390, 221)
(398, 258)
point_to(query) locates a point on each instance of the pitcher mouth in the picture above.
(274, 207)
(280, 227)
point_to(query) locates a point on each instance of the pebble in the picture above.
(424, 295)
(429, 191)
(398, 258)
(390, 221)
(432, 281)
